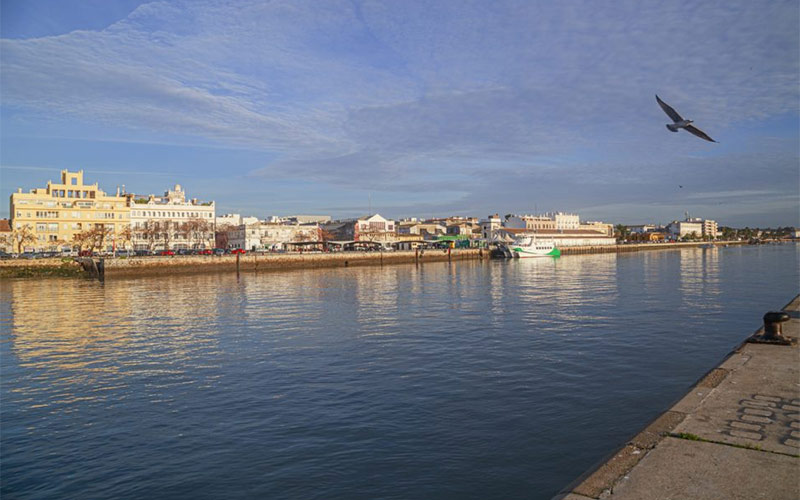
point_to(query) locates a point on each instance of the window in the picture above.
(74, 181)
(52, 227)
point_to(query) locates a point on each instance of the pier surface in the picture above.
(735, 435)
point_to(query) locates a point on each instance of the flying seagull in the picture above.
(680, 123)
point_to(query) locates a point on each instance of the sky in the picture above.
(412, 108)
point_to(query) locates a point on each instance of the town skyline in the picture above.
(414, 110)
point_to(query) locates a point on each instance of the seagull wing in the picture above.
(699, 133)
(668, 110)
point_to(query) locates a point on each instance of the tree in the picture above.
(23, 236)
(125, 236)
(621, 232)
(221, 236)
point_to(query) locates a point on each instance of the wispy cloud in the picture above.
(532, 100)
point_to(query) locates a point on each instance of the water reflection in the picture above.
(700, 278)
(313, 383)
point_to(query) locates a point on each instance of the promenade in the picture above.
(735, 435)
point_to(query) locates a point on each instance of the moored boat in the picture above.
(530, 246)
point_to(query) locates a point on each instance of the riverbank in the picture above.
(179, 264)
(736, 434)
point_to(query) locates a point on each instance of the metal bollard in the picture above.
(772, 325)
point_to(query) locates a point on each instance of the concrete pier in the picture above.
(735, 435)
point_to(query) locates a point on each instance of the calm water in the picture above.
(472, 380)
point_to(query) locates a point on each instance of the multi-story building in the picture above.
(556, 222)
(171, 222)
(59, 212)
(269, 236)
(693, 225)
(566, 221)
(421, 229)
(369, 228)
(710, 228)
(531, 222)
(489, 225)
(683, 228)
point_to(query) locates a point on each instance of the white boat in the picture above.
(530, 246)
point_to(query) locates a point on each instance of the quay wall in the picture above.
(637, 247)
(276, 262)
(135, 266)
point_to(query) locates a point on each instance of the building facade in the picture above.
(698, 227)
(269, 236)
(171, 222)
(61, 214)
(369, 228)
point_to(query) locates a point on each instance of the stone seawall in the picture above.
(275, 262)
(135, 266)
(636, 247)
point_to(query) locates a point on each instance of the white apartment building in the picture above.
(269, 236)
(171, 222)
(565, 221)
(489, 225)
(685, 228)
(700, 227)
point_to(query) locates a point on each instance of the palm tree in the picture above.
(621, 232)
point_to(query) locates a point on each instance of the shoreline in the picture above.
(697, 446)
(144, 266)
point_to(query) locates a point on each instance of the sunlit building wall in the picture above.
(59, 211)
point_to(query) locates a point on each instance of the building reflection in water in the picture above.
(83, 339)
(700, 279)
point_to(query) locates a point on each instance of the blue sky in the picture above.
(426, 107)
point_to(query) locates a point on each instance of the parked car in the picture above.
(30, 255)
(219, 251)
(125, 253)
(239, 250)
(85, 253)
(143, 253)
(206, 251)
(5, 255)
(166, 252)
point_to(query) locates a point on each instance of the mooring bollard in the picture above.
(773, 333)
(772, 325)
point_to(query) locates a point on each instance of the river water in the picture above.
(466, 380)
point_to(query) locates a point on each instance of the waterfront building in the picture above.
(471, 229)
(171, 222)
(268, 236)
(531, 222)
(561, 238)
(489, 225)
(556, 222)
(693, 226)
(424, 230)
(368, 228)
(60, 214)
(565, 221)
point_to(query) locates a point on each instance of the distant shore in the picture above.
(143, 266)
